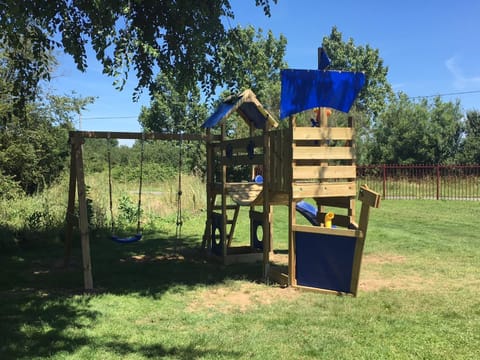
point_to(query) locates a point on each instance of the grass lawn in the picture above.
(419, 297)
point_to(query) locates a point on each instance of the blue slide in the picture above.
(308, 211)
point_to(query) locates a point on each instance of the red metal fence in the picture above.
(440, 182)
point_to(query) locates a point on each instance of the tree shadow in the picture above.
(188, 352)
(156, 264)
(33, 323)
(40, 302)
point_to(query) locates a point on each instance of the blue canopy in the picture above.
(222, 111)
(308, 89)
(247, 106)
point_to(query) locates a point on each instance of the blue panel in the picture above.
(218, 115)
(308, 89)
(324, 261)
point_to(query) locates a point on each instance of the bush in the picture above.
(9, 188)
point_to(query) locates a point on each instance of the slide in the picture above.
(308, 211)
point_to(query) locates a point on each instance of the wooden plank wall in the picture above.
(323, 162)
(280, 155)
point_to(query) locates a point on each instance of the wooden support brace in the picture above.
(83, 220)
(369, 199)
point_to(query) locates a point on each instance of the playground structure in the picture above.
(297, 163)
(288, 165)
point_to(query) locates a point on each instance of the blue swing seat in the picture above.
(127, 240)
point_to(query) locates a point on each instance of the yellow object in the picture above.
(328, 219)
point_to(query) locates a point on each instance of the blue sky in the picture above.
(430, 47)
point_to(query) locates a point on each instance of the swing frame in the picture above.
(77, 187)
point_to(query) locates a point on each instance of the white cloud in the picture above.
(460, 81)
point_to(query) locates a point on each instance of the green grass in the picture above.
(419, 296)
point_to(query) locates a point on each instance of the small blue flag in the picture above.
(323, 59)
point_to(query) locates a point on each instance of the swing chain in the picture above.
(179, 193)
(109, 159)
(139, 207)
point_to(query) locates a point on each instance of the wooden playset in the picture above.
(297, 163)
(288, 166)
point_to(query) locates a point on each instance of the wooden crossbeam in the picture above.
(140, 136)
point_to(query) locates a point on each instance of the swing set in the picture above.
(77, 188)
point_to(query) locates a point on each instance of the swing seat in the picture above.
(127, 240)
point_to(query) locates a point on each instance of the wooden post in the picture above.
(369, 199)
(267, 241)
(83, 220)
(207, 236)
(70, 216)
(352, 144)
(292, 277)
(224, 199)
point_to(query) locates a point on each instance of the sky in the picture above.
(430, 48)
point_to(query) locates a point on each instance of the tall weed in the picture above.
(41, 216)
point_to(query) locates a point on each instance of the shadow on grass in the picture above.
(39, 306)
(155, 264)
(33, 324)
(191, 351)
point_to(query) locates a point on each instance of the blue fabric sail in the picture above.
(308, 89)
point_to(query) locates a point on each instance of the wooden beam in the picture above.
(140, 136)
(327, 231)
(312, 190)
(323, 133)
(324, 172)
(257, 159)
(70, 216)
(242, 143)
(369, 199)
(83, 219)
(323, 152)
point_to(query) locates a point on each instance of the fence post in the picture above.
(384, 181)
(438, 181)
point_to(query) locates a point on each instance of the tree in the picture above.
(417, 133)
(34, 125)
(347, 56)
(250, 60)
(22, 67)
(33, 149)
(470, 153)
(174, 36)
(175, 109)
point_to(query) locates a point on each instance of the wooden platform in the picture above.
(244, 193)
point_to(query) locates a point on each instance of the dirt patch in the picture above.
(240, 298)
(372, 278)
(383, 259)
(375, 281)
